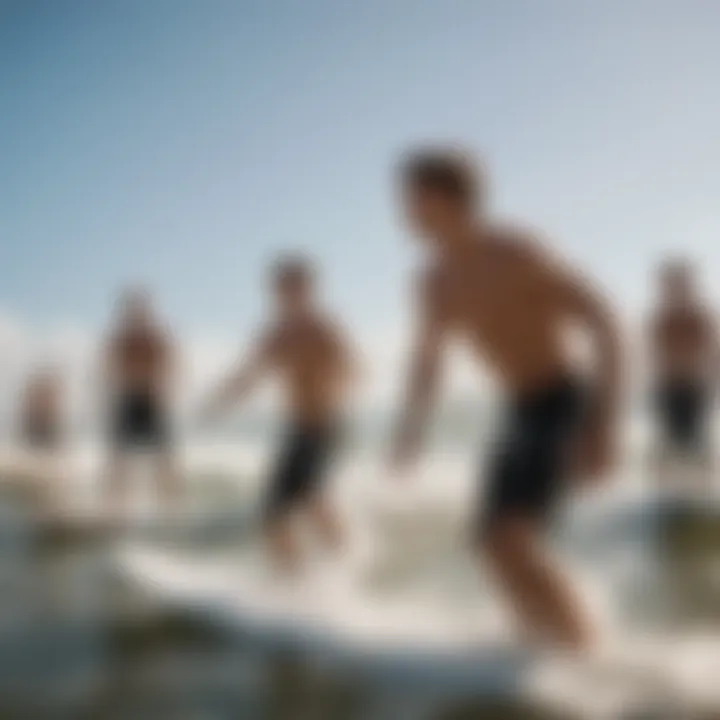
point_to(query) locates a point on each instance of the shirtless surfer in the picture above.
(139, 364)
(684, 365)
(40, 424)
(502, 291)
(40, 430)
(309, 353)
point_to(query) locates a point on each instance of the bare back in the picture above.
(311, 357)
(500, 296)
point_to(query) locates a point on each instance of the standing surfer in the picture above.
(138, 366)
(683, 346)
(310, 354)
(40, 429)
(498, 288)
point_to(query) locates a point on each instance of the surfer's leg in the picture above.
(525, 482)
(285, 495)
(282, 542)
(326, 522)
(539, 592)
(167, 479)
(324, 516)
(699, 437)
(115, 499)
(686, 441)
(122, 440)
(149, 428)
(669, 428)
(51, 480)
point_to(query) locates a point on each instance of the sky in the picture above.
(183, 143)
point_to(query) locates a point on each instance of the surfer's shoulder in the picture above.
(519, 241)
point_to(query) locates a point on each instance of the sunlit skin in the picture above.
(140, 359)
(501, 291)
(309, 354)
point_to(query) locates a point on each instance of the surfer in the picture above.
(502, 291)
(40, 432)
(310, 353)
(138, 367)
(40, 412)
(684, 358)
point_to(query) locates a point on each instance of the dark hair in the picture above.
(133, 295)
(676, 266)
(442, 170)
(292, 270)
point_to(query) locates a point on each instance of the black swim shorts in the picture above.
(139, 421)
(301, 467)
(682, 411)
(528, 463)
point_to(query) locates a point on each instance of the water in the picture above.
(81, 637)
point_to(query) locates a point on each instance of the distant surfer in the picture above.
(139, 365)
(40, 424)
(40, 431)
(309, 353)
(498, 288)
(684, 362)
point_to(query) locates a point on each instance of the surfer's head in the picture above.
(677, 281)
(293, 281)
(442, 192)
(135, 307)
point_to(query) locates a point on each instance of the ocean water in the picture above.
(184, 619)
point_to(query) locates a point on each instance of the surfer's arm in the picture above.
(586, 305)
(347, 361)
(242, 380)
(423, 377)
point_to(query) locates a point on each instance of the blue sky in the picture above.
(183, 142)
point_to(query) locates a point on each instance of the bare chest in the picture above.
(491, 301)
(304, 354)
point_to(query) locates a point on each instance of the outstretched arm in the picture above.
(241, 381)
(424, 374)
(346, 359)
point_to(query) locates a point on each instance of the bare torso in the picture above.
(41, 408)
(140, 361)
(682, 343)
(495, 295)
(311, 358)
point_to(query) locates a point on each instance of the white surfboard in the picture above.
(325, 611)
